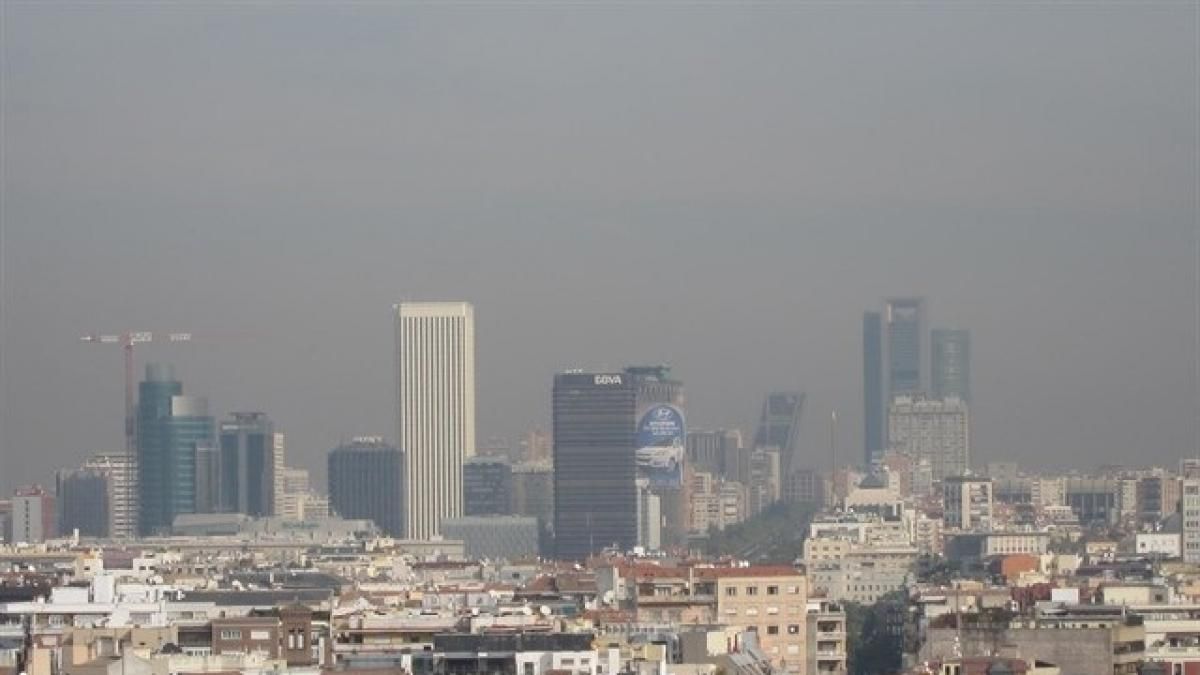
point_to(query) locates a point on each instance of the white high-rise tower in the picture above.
(435, 408)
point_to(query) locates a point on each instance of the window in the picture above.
(260, 635)
(772, 630)
(772, 590)
(731, 591)
(231, 635)
(752, 590)
(793, 629)
(793, 590)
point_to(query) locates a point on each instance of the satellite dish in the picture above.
(544, 610)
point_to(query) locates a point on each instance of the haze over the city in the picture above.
(724, 188)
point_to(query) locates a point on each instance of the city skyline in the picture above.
(764, 174)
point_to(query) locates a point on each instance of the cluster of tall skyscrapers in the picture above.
(620, 443)
(915, 393)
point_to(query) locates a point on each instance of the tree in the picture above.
(875, 635)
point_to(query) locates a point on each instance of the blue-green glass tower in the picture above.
(175, 441)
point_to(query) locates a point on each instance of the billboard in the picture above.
(660, 439)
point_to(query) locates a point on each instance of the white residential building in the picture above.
(967, 503)
(1191, 520)
(121, 474)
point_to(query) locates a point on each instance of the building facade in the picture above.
(718, 452)
(487, 487)
(950, 362)
(176, 446)
(83, 504)
(1191, 520)
(904, 328)
(435, 409)
(33, 515)
(367, 481)
(121, 477)
(247, 465)
(932, 430)
(610, 431)
(595, 467)
(967, 503)
(874, 409)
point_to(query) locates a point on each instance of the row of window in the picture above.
(753, 611)
(732, 591)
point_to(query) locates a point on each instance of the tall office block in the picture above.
(278, 465)
(82, 497)
(435, 411)
(718, 452)
(595, 463)
(779, 427)
(874, 410)
(367, 481)
(660, 437)
(33, 515)
(247, 465)
(904, 325)
(610, 431)
(487, 487)
(935, 431)
(175, 439)
(951, 364)
(121, 478)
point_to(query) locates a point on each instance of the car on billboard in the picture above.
(663, 456)
(660, 439)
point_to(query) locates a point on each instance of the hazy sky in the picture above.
(721, 186)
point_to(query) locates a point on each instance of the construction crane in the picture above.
(127, 340)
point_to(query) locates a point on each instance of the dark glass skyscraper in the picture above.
(174, 438)
(366, 481)
(951, 359)
(247, 474)
(873, 405)
(487, 487)
(595, 465)
(904, 323)
(82, 496)
(601, 421)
